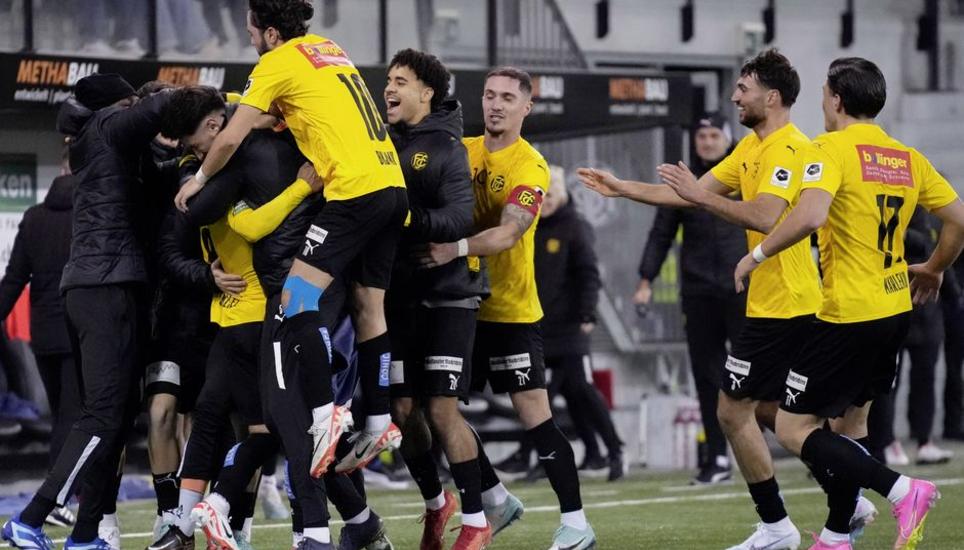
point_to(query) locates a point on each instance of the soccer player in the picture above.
(859, 192)
(328, 108)
(509, 179)
(432, 312)
(766, 168)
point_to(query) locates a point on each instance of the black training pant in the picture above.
(61, 379)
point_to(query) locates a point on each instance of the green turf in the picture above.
(648, 510)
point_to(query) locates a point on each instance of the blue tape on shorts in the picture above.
(302, 296)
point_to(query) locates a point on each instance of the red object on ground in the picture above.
(603, 379)
(18, 323)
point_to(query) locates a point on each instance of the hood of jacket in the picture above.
(71, 117)
(61, 194)
(447, 118)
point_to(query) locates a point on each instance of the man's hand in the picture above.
(742, 272)
(601, 182)
(232, 285)
(586, 328)
(307, 173)
(644, 294)
(190, 188)
(436, 254)
(681, 179)
(925, 283)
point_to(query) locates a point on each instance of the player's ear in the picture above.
(528, 107)
(427, 94)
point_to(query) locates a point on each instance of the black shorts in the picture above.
(762, 355)
(356, 238)
(233, 370)
(509, 356)
(176, 367)
(432, 352)
(845, 364)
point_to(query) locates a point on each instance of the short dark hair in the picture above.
(428, 69)
(860, 85)
(525, 81)
(152, 87)
(187, 108)
(774, 71)
(289, 17)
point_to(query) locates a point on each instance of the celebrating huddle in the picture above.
(817, 349)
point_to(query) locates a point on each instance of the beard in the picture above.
(751, 120)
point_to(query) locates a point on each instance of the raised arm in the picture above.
(256, 223)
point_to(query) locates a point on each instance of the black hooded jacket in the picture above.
(106, 158)
(567, 276)
(39, 253)
(710, 251)
(266, 163)
(440, 198)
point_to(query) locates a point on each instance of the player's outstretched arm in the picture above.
(514, 222)
(927, 277)
(225, 144)
(253, 224)
(709, 193)
(806, 217)
(608, 185)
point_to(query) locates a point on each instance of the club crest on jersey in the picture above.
(419, 160)
(497, 184)
(813, 172)
(781, 178)
(527, 198)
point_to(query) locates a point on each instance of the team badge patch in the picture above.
(781, 178)
(419, 161)
(497, 184)
(813, 172)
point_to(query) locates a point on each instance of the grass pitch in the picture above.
(647, 510)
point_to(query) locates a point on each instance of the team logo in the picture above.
(309, 248)
(453, 382)
(527, 198)
(813, 172)
(498, 184)
(553, 246)
(781, 178)
(523, 376)
(736, 382)
(280, 316)
(419, 160)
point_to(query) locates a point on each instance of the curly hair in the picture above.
(289, 17)
(428, 69)
(187, 108)
(774, 71)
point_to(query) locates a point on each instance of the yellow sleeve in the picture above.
(822, 168)
(255, 224)
(727, 171)
(935, 191)
(266, 83)
(781, 173)
(534, 174)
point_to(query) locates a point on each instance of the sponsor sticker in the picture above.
(781, 177)
(737, 366)
(813, 172)
(510, 362)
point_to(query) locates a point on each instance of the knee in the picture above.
(162, 412)
(791, 435)
(733, 413)
(443, 413)
(533, 407)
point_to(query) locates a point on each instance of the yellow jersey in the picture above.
(787, 285)
(331, 113)
(512, 273)
(876, 183)
(219, 241)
